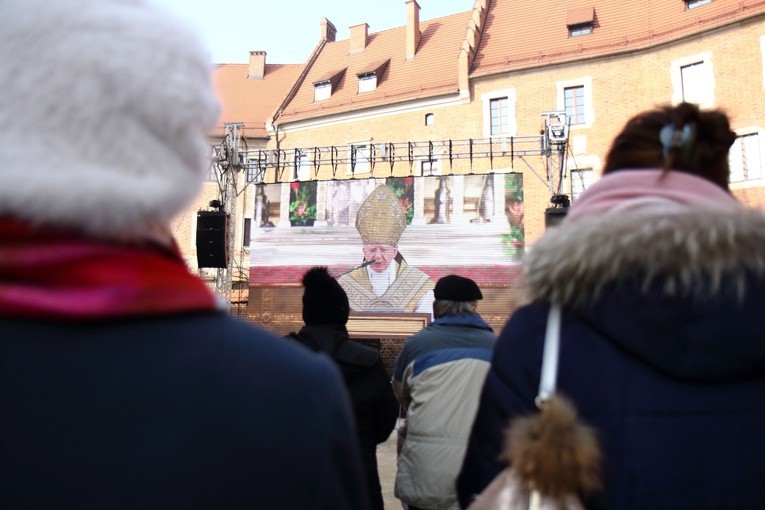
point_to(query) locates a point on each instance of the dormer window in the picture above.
(580, 21)
(322, 91)
(323, 87)
(691, 4)
(367, 82)
(370, 75)
(577, 30)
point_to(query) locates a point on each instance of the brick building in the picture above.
(476, 95)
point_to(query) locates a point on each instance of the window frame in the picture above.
(322, 91)
(503, 116)
(580, 29)
(353, 165)
(302, 165)
(705, 96)
(692, 4)
(585, 181)
(255, 166)
(429, 168)
(367, 82)
(758, 146)
(573, 110)
(585, 83)
(512, 123)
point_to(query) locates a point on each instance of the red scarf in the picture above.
(49, 274)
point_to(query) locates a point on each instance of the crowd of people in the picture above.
(125, 384)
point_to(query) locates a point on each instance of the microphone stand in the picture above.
(363, 264)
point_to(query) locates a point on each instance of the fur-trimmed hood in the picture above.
(104, 110)
(688, 252)
(684, 291)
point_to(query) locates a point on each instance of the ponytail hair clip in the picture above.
(673, 137)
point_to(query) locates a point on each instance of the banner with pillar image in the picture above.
(388, 240)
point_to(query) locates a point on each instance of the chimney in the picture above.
(412, 28)
(358, 38)
(257, 69)
(328, 30)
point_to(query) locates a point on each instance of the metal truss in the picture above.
(236, 166)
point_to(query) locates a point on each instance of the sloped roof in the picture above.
(520, 33)
(580, 15)
(251, 101)
(433, 71)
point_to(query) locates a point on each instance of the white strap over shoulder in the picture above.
(550, 353)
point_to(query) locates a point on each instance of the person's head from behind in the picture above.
(104, 110)
(380, 222)
(455, 295)
(324, 300)
(680, 137)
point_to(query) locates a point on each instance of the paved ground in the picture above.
(386, 465)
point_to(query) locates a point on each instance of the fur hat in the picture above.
(104, 110)
(457, 288)
(381, 219)
(324, 300)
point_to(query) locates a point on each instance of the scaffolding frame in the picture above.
(232, 157)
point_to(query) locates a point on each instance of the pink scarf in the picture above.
(654, 190)
(48, 274)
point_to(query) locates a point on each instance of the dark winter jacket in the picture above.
(662, 351)
(195, 411)
(374, 406)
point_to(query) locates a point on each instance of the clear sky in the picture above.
(288, 30)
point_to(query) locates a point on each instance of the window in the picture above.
(581, 179)
(498, 108)
(499, 114)
(367, 82)
(256, 168)
(302, 165)
(574, 98)
(246, 232)
(573, 101)
(212, 173)
(429, 119)
(745, 158)
(360, 160)
(696, 3)
(693, 80)
(322, 86)
(577, 30)
(580, 20)
(430, 167)
(322, 91)
(371, 74)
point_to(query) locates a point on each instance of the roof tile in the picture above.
(432, 72)
(519, 35)
(251, 101)
(580, 16)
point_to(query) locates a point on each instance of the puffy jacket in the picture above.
(662, 352)
(437, 378)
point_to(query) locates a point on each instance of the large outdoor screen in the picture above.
(388, 246)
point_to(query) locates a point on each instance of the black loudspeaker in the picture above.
(211, 239)
(554, 215)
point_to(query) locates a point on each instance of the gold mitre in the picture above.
(381, 218)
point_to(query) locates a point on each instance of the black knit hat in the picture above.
(324, 300)
(457, 288)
